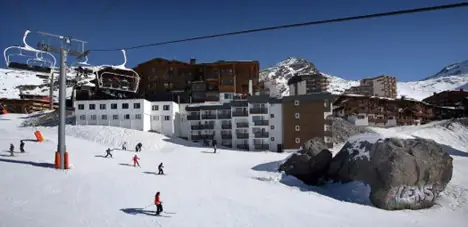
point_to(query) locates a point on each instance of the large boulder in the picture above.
(403, 173)
(311, 169)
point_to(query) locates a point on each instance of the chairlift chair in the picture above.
(118, 77)
(43, 62)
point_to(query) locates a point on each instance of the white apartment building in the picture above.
(137, 114)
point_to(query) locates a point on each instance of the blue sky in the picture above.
(409, 47)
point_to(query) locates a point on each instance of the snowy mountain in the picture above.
(451, 77)
(13, 82)
(457, 69)
(230, 188)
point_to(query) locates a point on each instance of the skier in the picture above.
(12, 148)
(158, 203)
(22, 146)
(124, 146)
(135, 161)
(139, 146)
(108, 153)
(160, 168)
(214, 145)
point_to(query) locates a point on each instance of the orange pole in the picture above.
(57, 160)
(66, 160)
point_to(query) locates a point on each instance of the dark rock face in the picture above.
(402, 173)
(309, 169)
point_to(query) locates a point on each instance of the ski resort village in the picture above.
(185, 141)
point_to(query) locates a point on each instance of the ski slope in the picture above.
(230, 188)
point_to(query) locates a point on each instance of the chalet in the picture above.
(380, 111)
(447, 98)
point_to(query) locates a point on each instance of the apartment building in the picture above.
(307, 83)
(262, 122)
(447, 98)
(382, 86)
(216, 81)
(138, 114)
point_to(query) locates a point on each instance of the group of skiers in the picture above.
(137, 147)
(12, 148)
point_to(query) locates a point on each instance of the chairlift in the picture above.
(42, 62)
(118, 77)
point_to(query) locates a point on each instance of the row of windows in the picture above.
(325, 103)
(113, 106)
(125, 117)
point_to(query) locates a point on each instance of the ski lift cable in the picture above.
(310, 23)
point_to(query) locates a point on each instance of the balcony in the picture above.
(261, 122)
(212, 76)
(243, 146)
(242, 124)
(226, 126)
(328, 133)
(240, 114)
(226, 136)
(193, 117)
(260, 110)
(207, 137)
(262, 135)
(261, 146)
(202, 126)
(242, 135)
(209, 116)
(196, 137)
(224, 116)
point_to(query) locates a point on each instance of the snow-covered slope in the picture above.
(230, 188)
(450, 78)
(12, 82)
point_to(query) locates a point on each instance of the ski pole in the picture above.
(147, 206)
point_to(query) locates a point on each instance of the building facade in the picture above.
(381, 86)
(307, 83)
(137, 114)
(214, 81)
(448, 98)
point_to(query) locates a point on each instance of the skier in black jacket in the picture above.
(12, 149)
(214, 145)
(22, 146)
(160, 168)
(108, 153)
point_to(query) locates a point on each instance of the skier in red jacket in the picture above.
(157, 202)
(135, 161)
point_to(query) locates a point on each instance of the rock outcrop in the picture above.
(403, 173)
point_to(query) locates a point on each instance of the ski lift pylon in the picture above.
(118, 77)
(37, 63)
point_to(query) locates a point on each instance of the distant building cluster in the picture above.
(381, 86)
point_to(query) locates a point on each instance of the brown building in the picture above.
(305, 117)
(307, 83)
(203, 82)
(447, 98)
(380, 111)
(382, 86)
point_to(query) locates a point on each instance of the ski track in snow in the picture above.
(203, 188)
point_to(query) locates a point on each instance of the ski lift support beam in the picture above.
(64, 50)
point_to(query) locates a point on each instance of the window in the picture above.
(127, 116)
(81, 106)
(103, 117)
(297, 115)
(137, 116)
(298, 140)
(166, 107)
(167, 118)
(115, 116)
(156, 118)
(298, 128)
(296, 102)
(272, 138)
(82, 117)
(326, 128)
(93, 117)
(155, 107)
(136, 105)
(272, 115)
(272, 127)
(325, 103)
(124, 105)
(114, 106)
(92, 106)
(326, 139)
(102, 106)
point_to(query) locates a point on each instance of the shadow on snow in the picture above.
(353, 192)
(37, 164)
